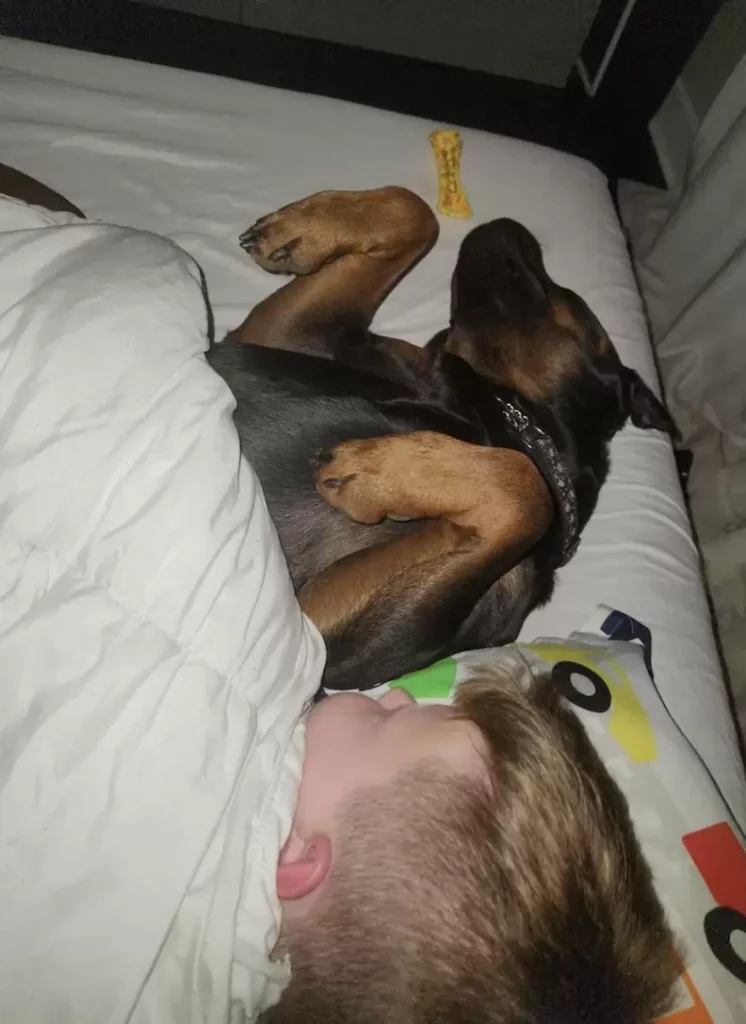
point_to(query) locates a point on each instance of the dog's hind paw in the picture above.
(347, 478)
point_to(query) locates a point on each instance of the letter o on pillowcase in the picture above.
(562, 676)
(720, 924)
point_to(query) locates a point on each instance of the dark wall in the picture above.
(536, 40)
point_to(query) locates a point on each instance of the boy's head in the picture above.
(471, 863)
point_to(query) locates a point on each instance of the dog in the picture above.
(424, 497)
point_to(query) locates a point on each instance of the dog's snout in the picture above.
(500, 277)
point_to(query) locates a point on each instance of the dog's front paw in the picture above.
(271, 246)
(298, 239)
(351, 478)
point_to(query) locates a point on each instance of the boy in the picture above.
(473, 863)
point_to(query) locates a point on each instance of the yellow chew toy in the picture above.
(452, 199)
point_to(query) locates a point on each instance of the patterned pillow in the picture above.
(692, 843)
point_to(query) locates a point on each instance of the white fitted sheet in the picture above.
(198, 158)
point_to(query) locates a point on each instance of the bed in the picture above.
(197, 158)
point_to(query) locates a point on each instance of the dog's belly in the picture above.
(281, 437)
(314, 536)
(284, 422)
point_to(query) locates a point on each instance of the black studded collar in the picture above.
(543, 452)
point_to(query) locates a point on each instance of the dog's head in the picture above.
(514, 325)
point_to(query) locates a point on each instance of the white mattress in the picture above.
(199, 158)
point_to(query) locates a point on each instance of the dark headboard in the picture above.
(634, 52)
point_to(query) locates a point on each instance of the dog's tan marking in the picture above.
(563, 316)
(533, 364)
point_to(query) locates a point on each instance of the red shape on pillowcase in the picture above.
(721, 861)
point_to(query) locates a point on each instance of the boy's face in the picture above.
(355, 744)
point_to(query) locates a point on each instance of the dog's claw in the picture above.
(280, 254)
(250, 238)
(335, 482)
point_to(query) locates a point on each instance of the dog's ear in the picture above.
(642, 406)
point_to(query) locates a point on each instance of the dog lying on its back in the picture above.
(466, 470)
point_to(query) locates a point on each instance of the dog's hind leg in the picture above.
(346, 251)
(394, 607)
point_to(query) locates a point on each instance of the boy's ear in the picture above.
(642, 406)
(303, 865)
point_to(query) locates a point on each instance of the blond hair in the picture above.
(520, 899)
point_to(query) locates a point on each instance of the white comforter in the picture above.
(153, 661)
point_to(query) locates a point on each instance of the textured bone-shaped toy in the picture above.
(452, 199)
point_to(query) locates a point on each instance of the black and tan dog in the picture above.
(424, 497)
(466, 471)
